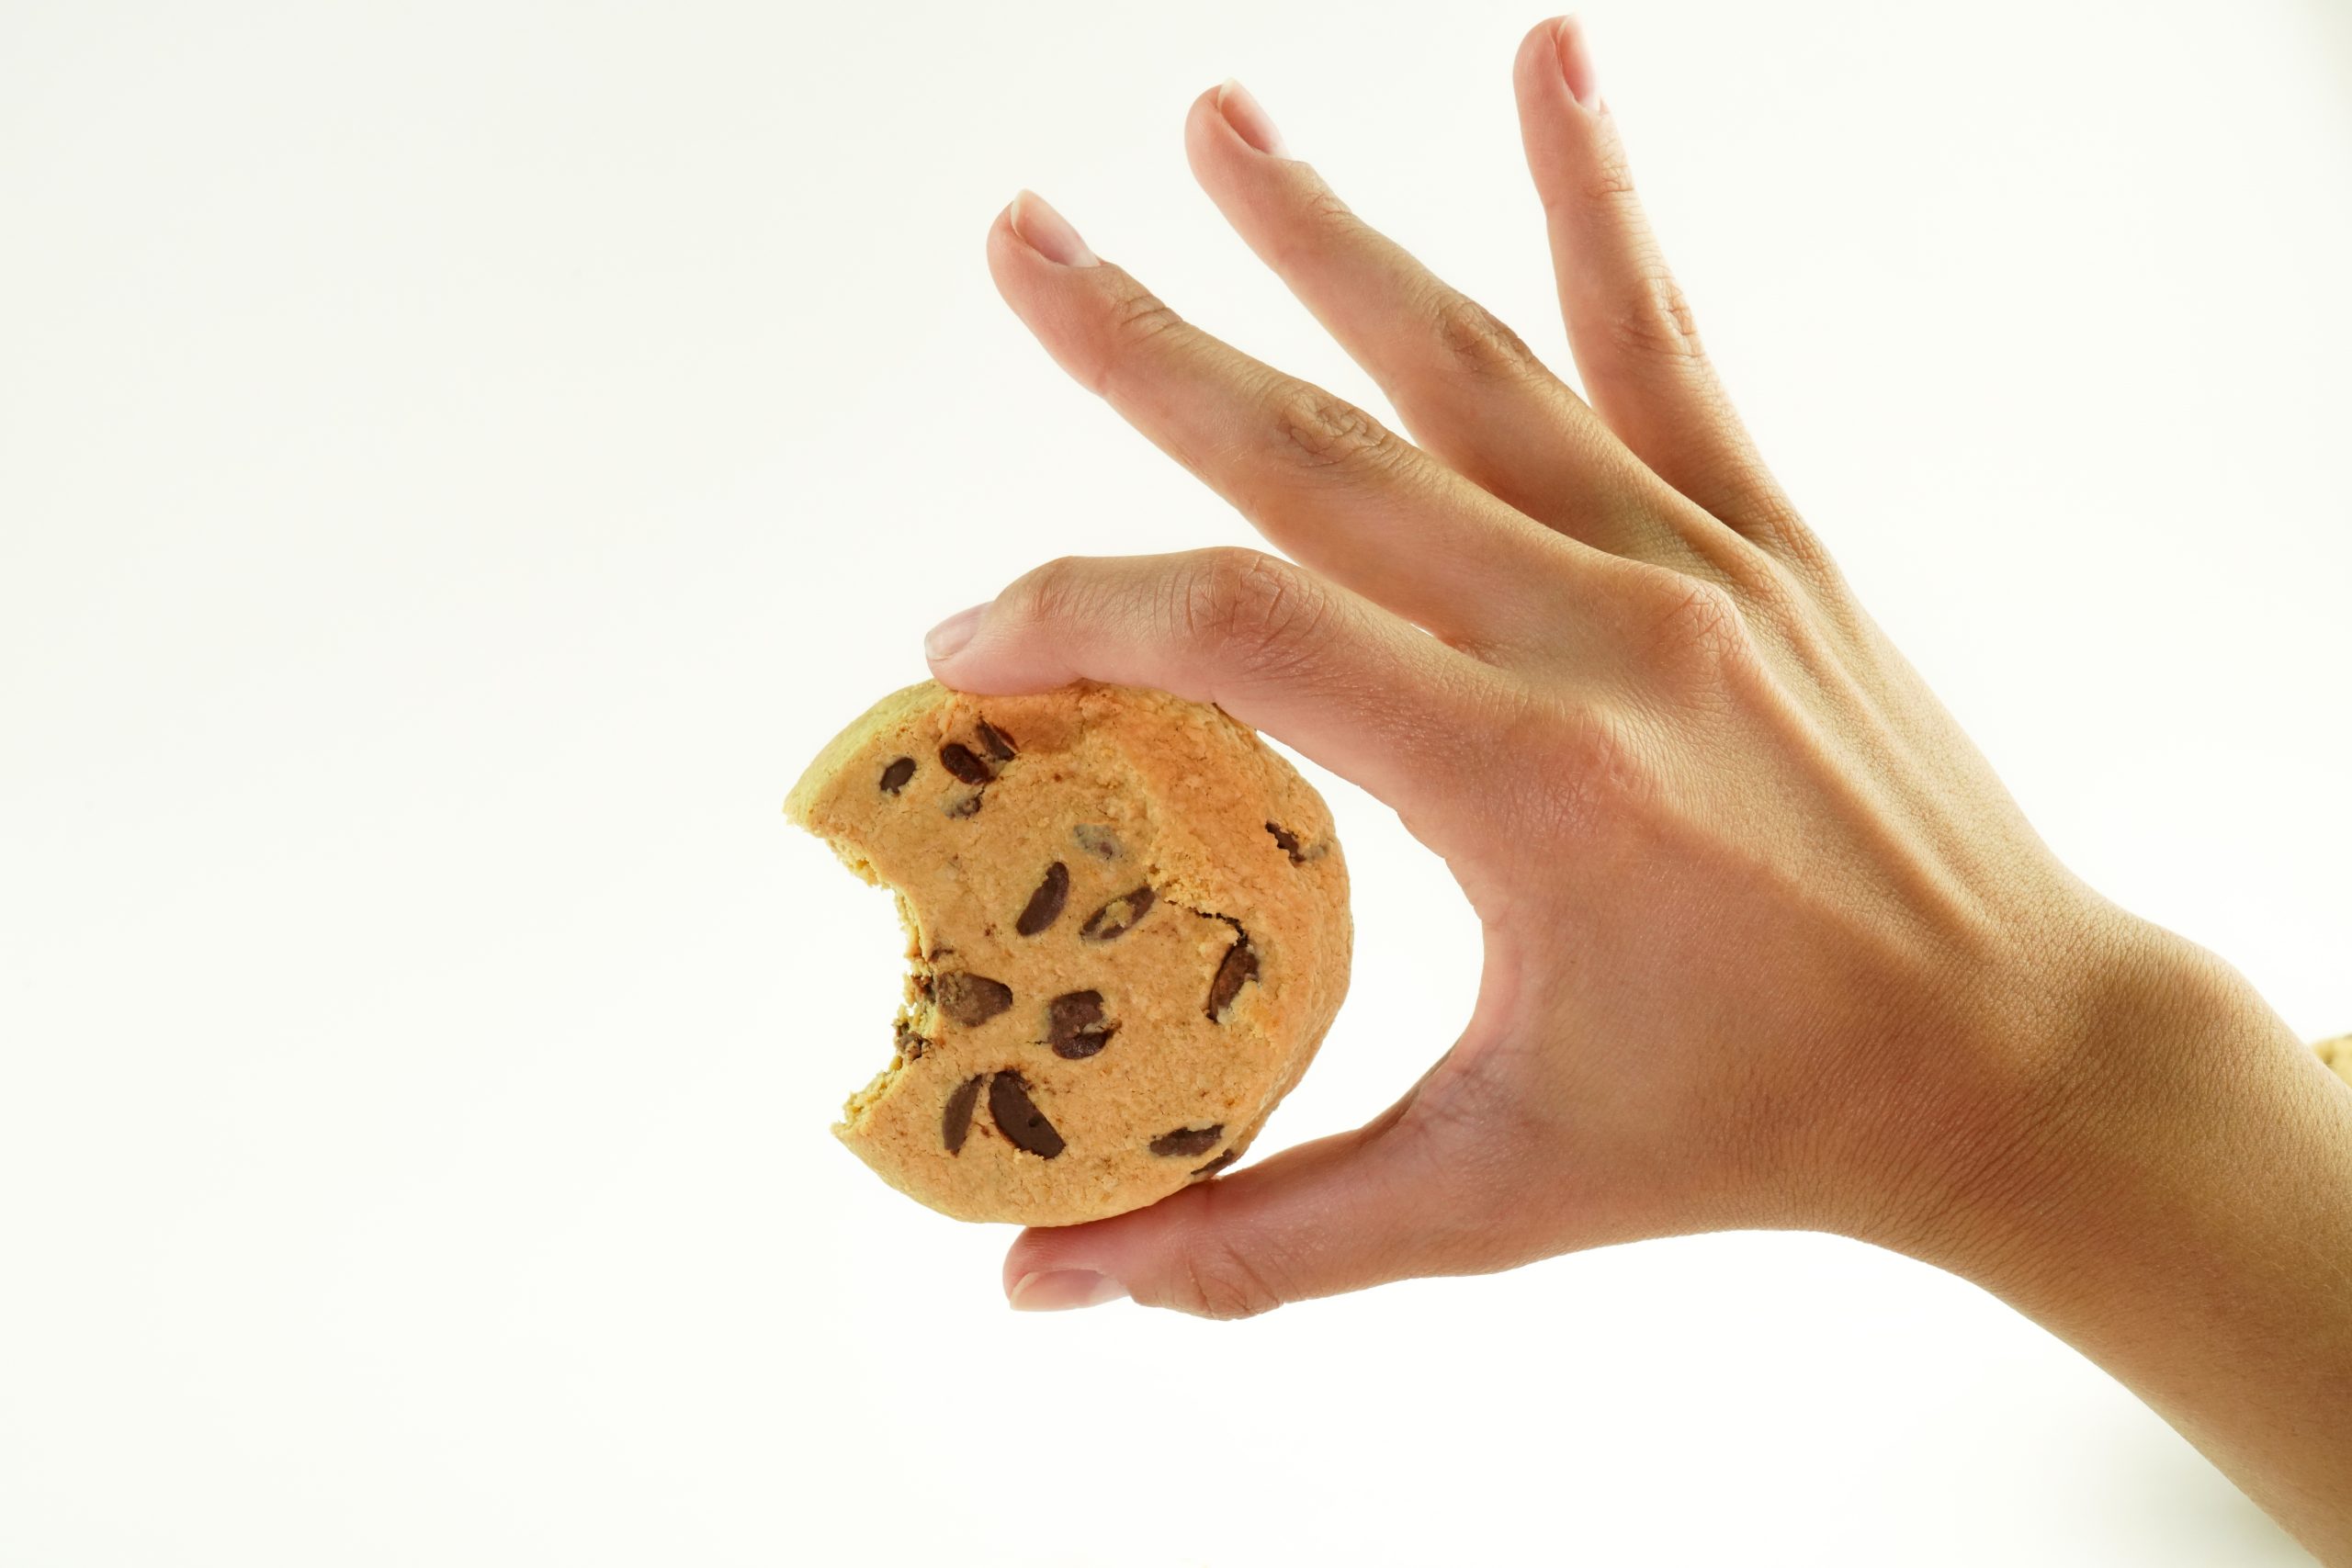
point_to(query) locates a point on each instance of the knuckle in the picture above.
(1215, 1278)
(1248, 612)
(1053, 590)
(1141, 316)
(1320, 206)
(1309, 428)
(1700, 631)
(1609, 181)
(1475, 341)
(1132, 320)
(1318, 227)
(1656, 321)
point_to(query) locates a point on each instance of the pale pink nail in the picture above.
(1049, 232)
(948, 637)
(1249, 119)
(1061, 1289)
(1575, 62)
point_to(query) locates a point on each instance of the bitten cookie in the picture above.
(1127, 931)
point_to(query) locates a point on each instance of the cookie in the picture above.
(2337, 1053)
(1127, 931)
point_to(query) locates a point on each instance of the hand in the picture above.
(1767, 944)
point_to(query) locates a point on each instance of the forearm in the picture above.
(2183, 1217)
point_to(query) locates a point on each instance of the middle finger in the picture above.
(1318, 476)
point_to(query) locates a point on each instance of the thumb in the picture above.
(1341, 1213)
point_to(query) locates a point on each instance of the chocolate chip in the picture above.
(995, 742)
(1239, 967)
(1219, 1163)
(1074, 1010)
(1118, 916)
(1018, 1118)
(971, 998)
(895, 777)
(1044, 906)
(1097, 841)
(958, 1122)
(1288, 841)
(911, 1045)
(957, 759)
(1188, 1140)
(1074, 1025)
(969, 805)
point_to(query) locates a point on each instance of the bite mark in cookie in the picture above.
(1128, 932)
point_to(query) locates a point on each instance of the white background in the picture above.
(459, 460)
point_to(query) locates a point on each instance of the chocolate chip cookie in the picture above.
(1126, 929)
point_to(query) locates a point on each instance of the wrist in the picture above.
(2116, 1098)
(2167, 1185)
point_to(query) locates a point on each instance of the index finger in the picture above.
(1349, 684)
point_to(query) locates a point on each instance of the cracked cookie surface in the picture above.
(1127, 931)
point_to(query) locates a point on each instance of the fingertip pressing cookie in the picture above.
(1127, 931)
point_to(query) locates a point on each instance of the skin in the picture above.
(1767, 942)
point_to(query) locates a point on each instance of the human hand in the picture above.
(1767, 944)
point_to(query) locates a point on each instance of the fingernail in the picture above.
(1061, 1289)
(1249, 119)
(948, 637)
(1575, 62)
(1049, 232)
